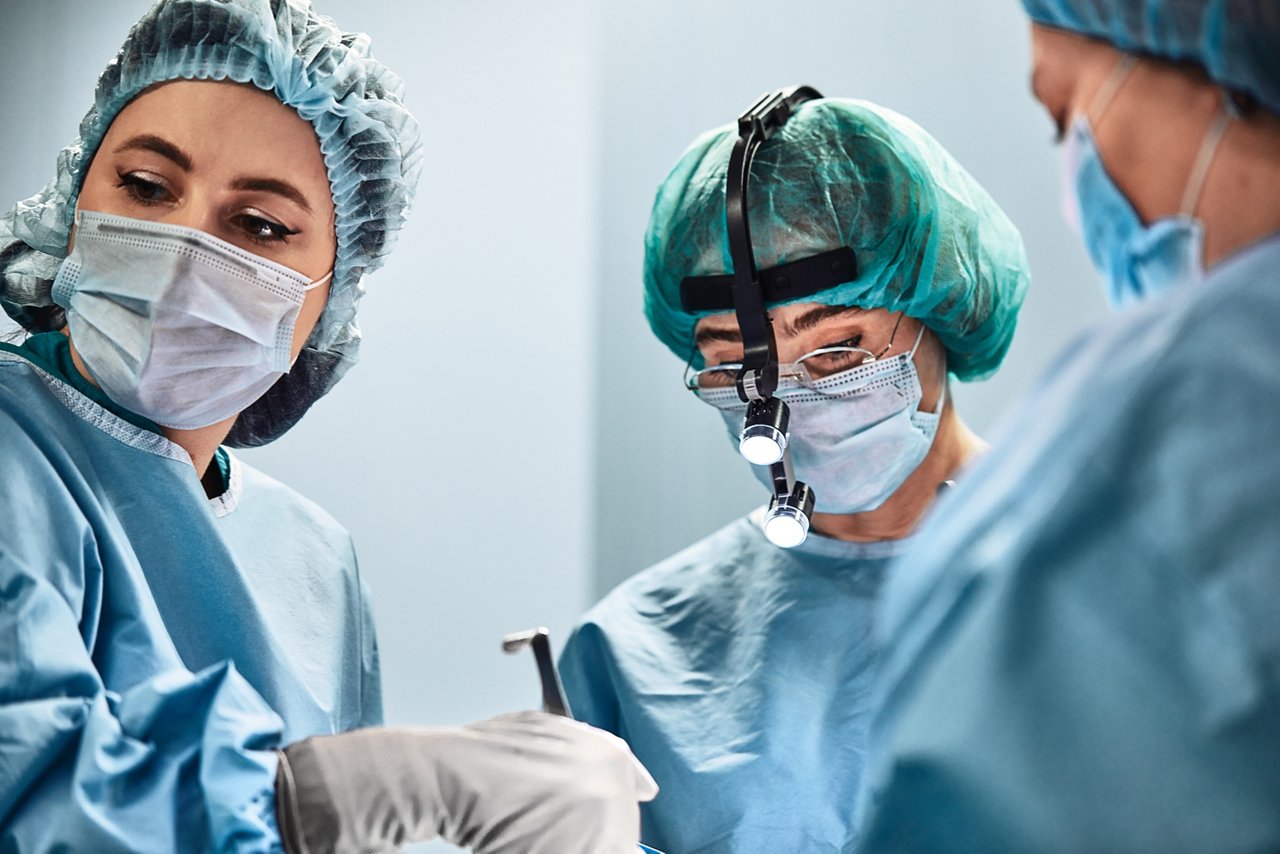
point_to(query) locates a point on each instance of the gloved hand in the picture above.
(517, 784)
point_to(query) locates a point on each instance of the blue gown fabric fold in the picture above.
(739, 673)
(1082, 651)
(156, 646)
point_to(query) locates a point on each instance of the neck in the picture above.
(953, 446)
(1240, 204)
(200, 444)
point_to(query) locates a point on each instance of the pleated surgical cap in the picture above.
(1236, 42)
(371, 146)
(929, 240)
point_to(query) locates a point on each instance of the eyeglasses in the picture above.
(808, 369)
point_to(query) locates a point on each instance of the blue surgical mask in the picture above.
(1137, 261)
(173, 323)
(855, 436)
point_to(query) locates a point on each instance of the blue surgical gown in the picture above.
(156, 645)
(1082, 652)
(739, 673)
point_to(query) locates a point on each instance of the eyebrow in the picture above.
(157, 145)
(803, 323)
(811, 318)
(169, 151)
(273, 185)
(706, 335)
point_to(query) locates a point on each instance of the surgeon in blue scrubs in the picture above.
(185, 643)
(1083, 645)
(737, 670)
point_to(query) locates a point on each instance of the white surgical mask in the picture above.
(855, 436)
(174, 324)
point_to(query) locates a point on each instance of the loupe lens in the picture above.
(762, 444)
(786, 527)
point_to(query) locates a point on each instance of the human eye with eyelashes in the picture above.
(145, 188)
(260, 229)
(823, 364)
(855, 341)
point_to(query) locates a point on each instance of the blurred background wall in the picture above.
(515, 442)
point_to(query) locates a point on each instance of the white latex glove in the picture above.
(522, 783)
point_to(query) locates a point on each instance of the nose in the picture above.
(196, 211)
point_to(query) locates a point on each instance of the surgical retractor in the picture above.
(553, 699)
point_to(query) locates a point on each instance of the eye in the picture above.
(723, 357)
(831, 363)
(263, 230)
(1059, 127)
(855, 341)
(716, 377)
(144, 188)
(824, 364)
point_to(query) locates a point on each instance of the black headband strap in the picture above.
(784, 282)
(759, 375)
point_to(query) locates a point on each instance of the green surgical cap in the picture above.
(930, 242)
(1237, 42)
(370, 142)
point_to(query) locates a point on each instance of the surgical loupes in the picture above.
(763, 440)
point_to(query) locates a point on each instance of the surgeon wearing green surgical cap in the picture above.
(187, 655)
(1083, 650)
(737, 670)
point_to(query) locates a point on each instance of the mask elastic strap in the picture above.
(320, 281)
(916, 346)
(1107, 93)
(942, 398)
(1200, 171)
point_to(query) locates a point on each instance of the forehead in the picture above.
(1058, 56)
(785, 315)
(224, 126)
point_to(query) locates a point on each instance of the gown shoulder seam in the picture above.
(96, 416)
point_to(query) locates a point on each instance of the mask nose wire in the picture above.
(75, 219)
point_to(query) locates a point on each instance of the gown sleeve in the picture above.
(1081, 650)
(370, 664)
(180, 762)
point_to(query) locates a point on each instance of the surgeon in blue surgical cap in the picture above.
(185, 644)
(738, 670)
(1083, 648)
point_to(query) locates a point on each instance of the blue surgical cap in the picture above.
(929, 240)
(1237, 42)
(370, 142)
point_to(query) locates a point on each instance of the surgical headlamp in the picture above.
(747, 291)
